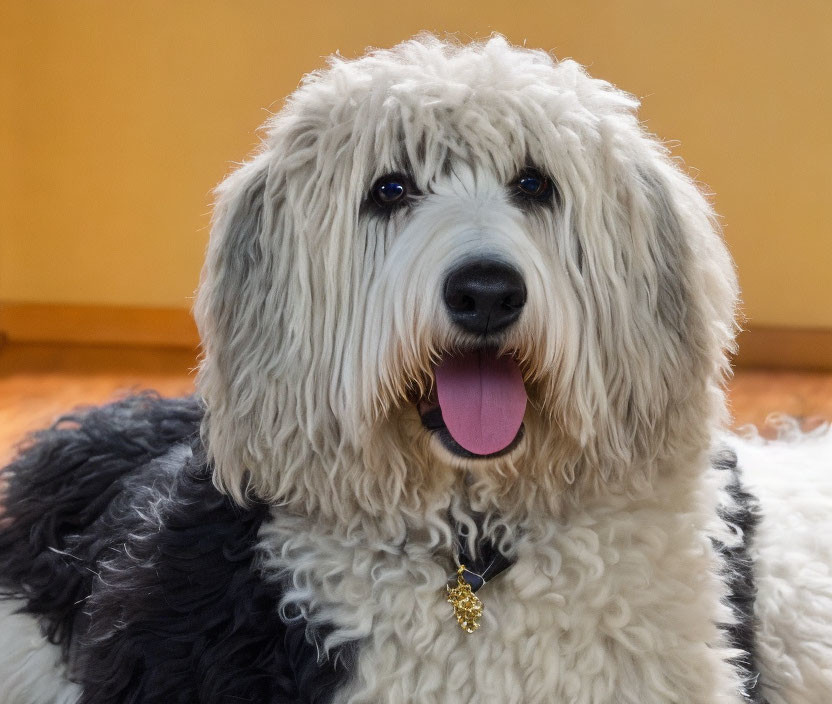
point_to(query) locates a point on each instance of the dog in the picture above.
(458, 431)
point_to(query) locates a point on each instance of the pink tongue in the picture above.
(482, 398)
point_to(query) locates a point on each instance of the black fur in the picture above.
(63, 482)
(145, 574)
(742, 516)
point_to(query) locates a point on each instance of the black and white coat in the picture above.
(153, 587)
(324, 317)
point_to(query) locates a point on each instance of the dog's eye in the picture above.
(533, 185)
(390, 190)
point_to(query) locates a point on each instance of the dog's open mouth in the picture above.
(478, 406)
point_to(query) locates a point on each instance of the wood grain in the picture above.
(756, 394)
(39, 382)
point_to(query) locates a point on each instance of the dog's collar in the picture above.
(477, 572)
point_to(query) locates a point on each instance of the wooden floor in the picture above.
(39, 382)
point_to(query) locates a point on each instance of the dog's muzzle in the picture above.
(480, 397)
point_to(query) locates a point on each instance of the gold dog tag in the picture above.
(467, 606)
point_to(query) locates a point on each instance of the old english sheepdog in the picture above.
(457, 435)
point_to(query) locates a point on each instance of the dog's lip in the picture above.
(432, 421)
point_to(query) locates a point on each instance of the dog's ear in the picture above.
(238, 335)
(270, 312)
(664, 299)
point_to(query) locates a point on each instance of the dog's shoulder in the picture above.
(178, 611)
(181, 611)
(120, 544)
(63, 481)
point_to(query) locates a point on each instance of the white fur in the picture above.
(793, 562)
(615, 602)
(31, 670)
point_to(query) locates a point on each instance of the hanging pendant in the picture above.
(467, 606)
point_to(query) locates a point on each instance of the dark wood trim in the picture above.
(97, 325)
(785, 348)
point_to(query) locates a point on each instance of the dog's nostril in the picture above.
(484, 296)
(515, 301)
(460, 302)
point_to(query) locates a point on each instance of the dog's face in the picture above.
(453, 258)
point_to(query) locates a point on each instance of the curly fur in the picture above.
(289, 536)
(129, 526)
(792, 554)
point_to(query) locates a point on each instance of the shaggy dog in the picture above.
(464, 328)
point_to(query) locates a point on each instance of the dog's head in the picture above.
(451, 258)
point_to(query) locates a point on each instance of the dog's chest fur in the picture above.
(619, 605)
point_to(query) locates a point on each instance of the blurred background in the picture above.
(118, 118)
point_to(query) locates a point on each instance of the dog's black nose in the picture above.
(484, 296)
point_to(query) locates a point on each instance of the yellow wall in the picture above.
(118, 117)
